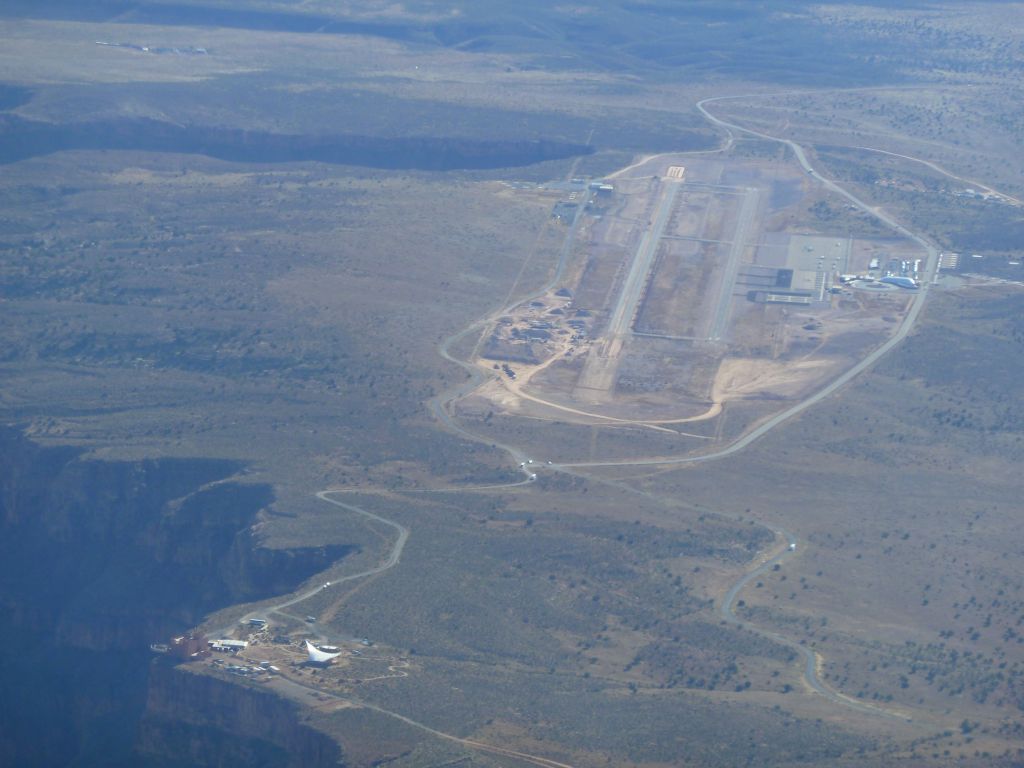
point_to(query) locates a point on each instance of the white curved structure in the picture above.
(320, 657)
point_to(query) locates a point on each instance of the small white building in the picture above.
(225, 644)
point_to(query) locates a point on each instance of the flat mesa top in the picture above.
(675, 172)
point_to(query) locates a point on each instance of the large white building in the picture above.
(316, 656)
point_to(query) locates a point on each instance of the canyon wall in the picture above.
(199, 720)
(99, 559)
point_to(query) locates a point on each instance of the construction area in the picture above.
(692, 282)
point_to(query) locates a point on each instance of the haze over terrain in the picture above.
(624, 383)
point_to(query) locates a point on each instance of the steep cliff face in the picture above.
(199, 720)
(99, 559)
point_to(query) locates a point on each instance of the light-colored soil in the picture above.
(739, 377)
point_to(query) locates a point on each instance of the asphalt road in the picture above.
(392, 559)
(633, 286)
(739, 242)
(801, 157)
(727, 610)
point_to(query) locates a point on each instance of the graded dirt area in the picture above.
(741, 377)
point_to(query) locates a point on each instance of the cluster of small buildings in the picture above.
(566, 210)
(901, 273)
(973, 194)
(195, 646)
